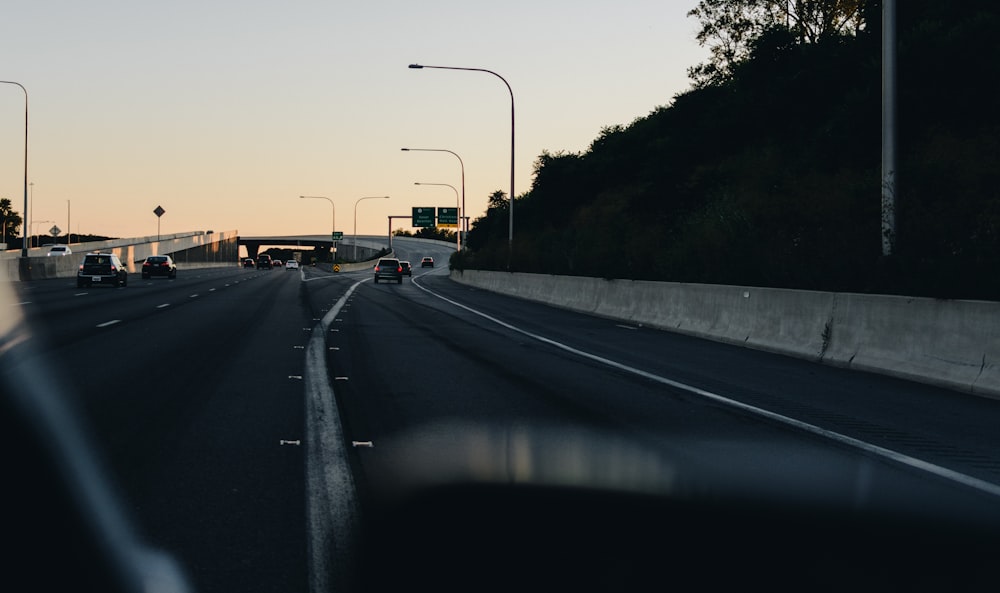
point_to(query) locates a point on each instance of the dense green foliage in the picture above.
(771, 175)
(428, 232)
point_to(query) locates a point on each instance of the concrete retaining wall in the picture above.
(954, 344)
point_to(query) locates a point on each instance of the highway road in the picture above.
(280, 430)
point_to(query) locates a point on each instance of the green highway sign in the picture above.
(448, 217)
(338, 235)
(423, 216)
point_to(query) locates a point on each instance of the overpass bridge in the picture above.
(366, 246)
(191, 249)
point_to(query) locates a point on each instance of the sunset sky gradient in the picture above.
(225, 112)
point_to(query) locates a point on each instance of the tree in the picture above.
(10, 221)
(497, 200)
(730, 27)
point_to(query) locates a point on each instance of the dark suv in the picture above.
(159, 265)
(264, 261)
(101, 268)
(388, 267)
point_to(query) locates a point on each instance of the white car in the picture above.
(291, 265)
(60, 250)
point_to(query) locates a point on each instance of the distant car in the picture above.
(101, 268)
(159, 265)
(407, 269)
(427, 262)
(264, 262)
(248, 263)
(388, 267)
(60, 250)
(291, 265)
(277, 263)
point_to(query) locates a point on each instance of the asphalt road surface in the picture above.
(292, 431)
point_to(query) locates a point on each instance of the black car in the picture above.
(427, 262)
(248, 263)
(264, 262)
(388, 267)
(407, 268)
(101, 268)
(159, 265)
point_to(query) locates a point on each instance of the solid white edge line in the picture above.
(937, 470)
(331, 508)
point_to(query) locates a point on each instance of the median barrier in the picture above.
(950, 343)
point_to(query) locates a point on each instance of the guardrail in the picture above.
(950, 343)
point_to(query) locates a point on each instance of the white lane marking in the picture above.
(193, 296)
(107, 323)
(913, 462)
(163, 305)
(331, 507)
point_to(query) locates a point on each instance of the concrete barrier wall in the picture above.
(132, 252)
(954, 344)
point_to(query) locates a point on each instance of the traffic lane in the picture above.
(43, 291)
(200, 420)
(417, 382)
(69, 313)
(414, 250)
(947, 428)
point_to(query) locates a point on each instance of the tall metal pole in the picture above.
(510, 233)
(31, 202)
(24, 239)
(356, 220)
(461, 209)
(888, 127)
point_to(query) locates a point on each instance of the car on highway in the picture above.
(277, 263)
(249, 263)
(159, 265)
(100, 268)
(427, 262)
(264, 262)
(291, 265)
(407, 268)
(58, 250)
(388, 268)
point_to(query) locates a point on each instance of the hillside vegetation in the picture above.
(767, 171)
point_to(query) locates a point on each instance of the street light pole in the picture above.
(24, 240)
(888, 127)
(333, 222)
(459, 241)
(30, 210)
(510, 232)
(461, 209)
(34, 222)
(356, 220)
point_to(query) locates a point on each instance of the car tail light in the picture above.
(144, 264)
(399, 269)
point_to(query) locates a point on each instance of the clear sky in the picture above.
(224, 112)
